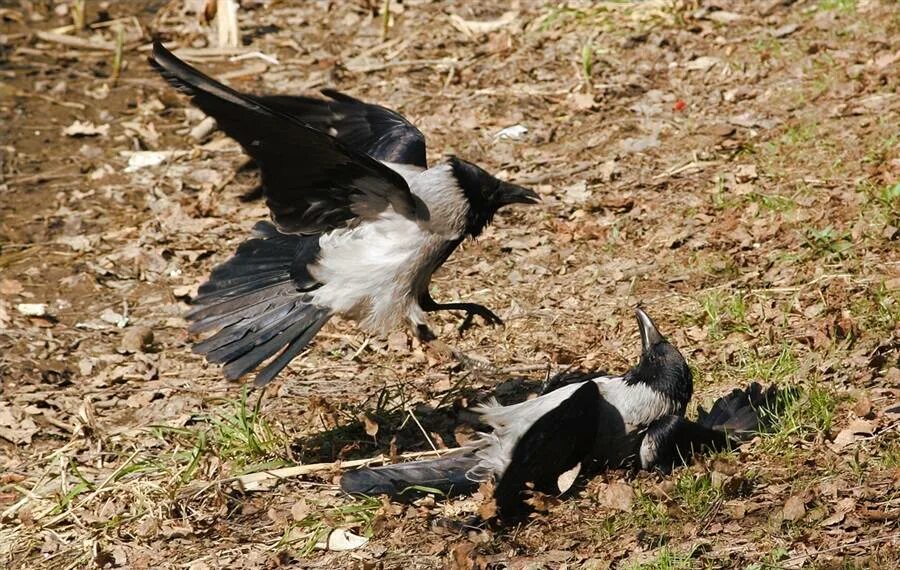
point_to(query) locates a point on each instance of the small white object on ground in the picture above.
(32, 309)
(514, 132)
(341, 539)
(147, 158)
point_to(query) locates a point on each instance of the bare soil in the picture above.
(733, 166)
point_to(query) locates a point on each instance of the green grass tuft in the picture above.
(359, 516)
(694, 493)
(668, 559)
(240, 436)
(800, 416)
(828, 242)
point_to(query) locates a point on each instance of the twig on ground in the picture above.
(422, 429)
(75, 42)
(117, 57)
(406, 63)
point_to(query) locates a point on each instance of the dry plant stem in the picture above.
(227, 24)
(117, 58)
(385, 19)
(78, 15)
(422, 429)
(867, 542)
(405, 63)
(72, 41)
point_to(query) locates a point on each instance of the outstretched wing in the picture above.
(734, 418)
(745, 411)
(382, 133)
(557, 442)
(672, 440)
(312, 182)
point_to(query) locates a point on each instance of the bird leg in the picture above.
(429, 305)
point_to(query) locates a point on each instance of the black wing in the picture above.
(382, 133)
(673, 440)
(744, 411)
(313, 183)
(566, 378)
(556, 442)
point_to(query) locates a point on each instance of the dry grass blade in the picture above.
(75, 42)
(102, 487)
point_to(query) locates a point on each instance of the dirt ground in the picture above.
(734, 166)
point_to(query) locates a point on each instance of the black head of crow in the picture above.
(485, 194)
(360, 222)
(661, 365)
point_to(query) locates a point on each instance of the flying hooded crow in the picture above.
(586, 422)
(360, 224)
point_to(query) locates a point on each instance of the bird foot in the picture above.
(472, 309)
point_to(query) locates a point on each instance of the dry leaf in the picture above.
(702, 63)
(619, 496)
(341, 539)
(565, 481)
(514, 132)
(794, 509)
(32, 309)
(371, 425)
(858, 429)
(10, 287)
(474, 28)
(85, 129)
(583, 101)
(488, 508)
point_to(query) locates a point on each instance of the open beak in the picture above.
(649, 334)
(513, 194)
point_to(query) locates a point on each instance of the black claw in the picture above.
(490, 318)
(467, 322)
(471, 309)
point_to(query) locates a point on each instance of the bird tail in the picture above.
(257, 303)
(446, 475)
(744, 412)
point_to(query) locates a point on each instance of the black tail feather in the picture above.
(256, 350)
(446, 475)
(237, 339)
(257, 303)
(293, 349)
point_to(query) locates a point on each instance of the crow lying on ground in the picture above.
(584, 422)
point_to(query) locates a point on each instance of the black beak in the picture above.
(649, 335)
(512, 194)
